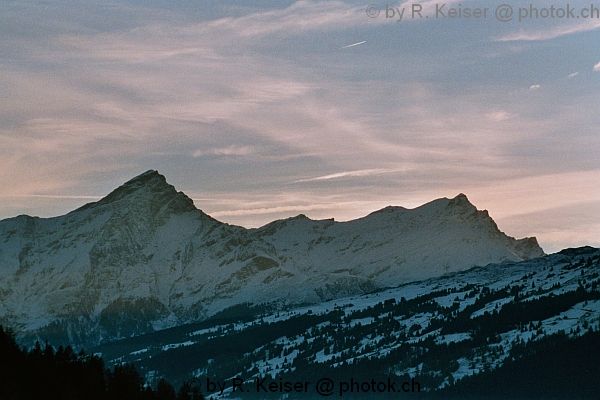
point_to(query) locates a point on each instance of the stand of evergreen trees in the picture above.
(554, 368)
(61, 374)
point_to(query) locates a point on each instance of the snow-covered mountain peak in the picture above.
(148, 178)
(461, 202)
(298, 217)
(457, 205)
(300, 220)
(148, 184)
(148, 193)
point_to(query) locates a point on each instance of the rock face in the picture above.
(145, 258)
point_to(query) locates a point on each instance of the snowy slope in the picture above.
(395, 244)
(438, 330)
(144, 258)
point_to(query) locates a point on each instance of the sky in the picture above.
(267, 109)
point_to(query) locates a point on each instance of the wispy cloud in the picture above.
(273, 210)
(574, 74)
(232, 150)
(342, 210)
(301, 16)
(560, 226)
(534, 87)
(530, 202)
(548, 34)
(54, 196)
(597, 67)
(501, 115)
(242, 102)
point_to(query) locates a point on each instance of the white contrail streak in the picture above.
(355, 44)
(358, 173)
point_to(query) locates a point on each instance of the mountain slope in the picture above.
(430, 240)
(438, 331)
(144, 258)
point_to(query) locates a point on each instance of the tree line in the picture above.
(44, 372)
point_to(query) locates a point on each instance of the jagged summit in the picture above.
(146, 176)
(146, 184)
(461, 200)
(148, 190)
(458, 204)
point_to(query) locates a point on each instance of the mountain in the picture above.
(144, 258)
(516, 330)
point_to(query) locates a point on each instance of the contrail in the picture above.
(355, 44)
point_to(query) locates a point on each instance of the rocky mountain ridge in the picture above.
(145, 258)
